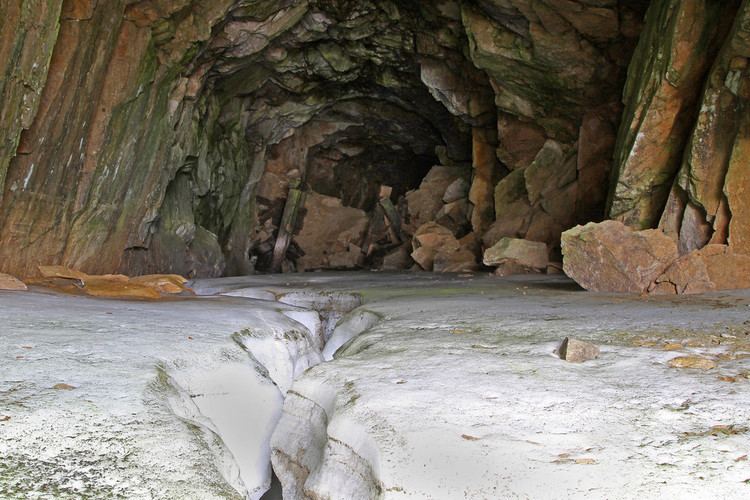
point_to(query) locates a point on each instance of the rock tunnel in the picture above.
(236, 136)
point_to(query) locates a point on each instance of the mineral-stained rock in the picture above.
(610, 257)
(524, 253)
(29, 31)
(8, 282)
(664, 81)
(576, 351)
(331, 234)
(164, 283)
(695, 362)
(714, 267)
(484, 178)
(713, 177)
(64, 272)
(150, 287)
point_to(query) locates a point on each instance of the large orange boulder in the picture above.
(610, 257)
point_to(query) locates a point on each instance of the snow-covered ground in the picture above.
(452, 391)
(160, 400)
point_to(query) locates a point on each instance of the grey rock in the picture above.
(576, 351)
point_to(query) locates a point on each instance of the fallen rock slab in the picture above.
(8, 282)
(576, 351)
(610, 257)
(148, 287)
(518, 252)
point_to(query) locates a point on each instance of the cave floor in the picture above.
(452, 391)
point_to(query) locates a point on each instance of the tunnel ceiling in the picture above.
(164, 135)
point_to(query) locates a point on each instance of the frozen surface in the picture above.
(456, 394)
(162, 400)
(441, 387)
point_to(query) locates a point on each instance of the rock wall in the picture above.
(112, 118)
(163, 135)
(683, 126)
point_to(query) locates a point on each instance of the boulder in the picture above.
(523, 253)
(610, 257)
(455, 260)
(457, 190)
(424, 203)
(714, 267)
(576, 351)
(331, 234)
(454, 215)
(8, 282)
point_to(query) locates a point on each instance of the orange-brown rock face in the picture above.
(97, 152)
(665, 78)
(709, 197)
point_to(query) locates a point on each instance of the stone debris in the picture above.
(576, 351)
(8, 282)
(63, 387)
(429, 239)
(518, 253)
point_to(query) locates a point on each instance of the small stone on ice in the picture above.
(576, 351)
(692, 362)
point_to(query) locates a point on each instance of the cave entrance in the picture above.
(363, 132)
(349, 188)
(342, 134)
